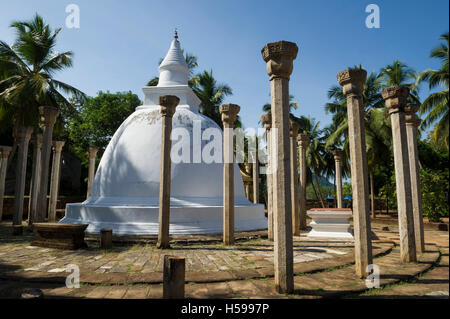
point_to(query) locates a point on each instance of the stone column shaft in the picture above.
(168, 104)
(229, 115)
(35, 177)
(338, 155)
(279, 58)
(48, 117)
(294, 179)
(269, 187)
(266, 119)
(92, 159)
(173, 277)
(4, 154)
(55, 177)
(412, 124)
(255, 175)
(352, 81)
(247, 190)
(21, 172)
(396, 99)
(303, 141)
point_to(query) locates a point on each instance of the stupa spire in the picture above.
(174, 70)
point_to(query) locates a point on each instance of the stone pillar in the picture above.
(168, 105)
(229, 115)
(92, 158)
(54, 181)
(247, 185)
(294, 179)
(35, 177)
(396, 98)
(255, 175)
(338, 155)
(106, 238)
(48, 118)
(173, 277)
(279, 57)
(352, 81)
(266, 119)
(303, 142)
(24, 135)
(412, 125)
(4, 154)
(247, 190)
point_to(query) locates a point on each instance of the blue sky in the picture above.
(119, 43)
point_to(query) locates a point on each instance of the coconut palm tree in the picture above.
(399, 74)
(316, 161)
(371, 99)
(377, 126)
(211, 94)
(27, 69)
(378, 142)
(436, 104)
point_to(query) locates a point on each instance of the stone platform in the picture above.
(330, 223)
(62, 236)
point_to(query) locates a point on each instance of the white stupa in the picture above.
(125, 191)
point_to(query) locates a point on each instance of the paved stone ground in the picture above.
(202, 256)
(330, 276)
(432, 284)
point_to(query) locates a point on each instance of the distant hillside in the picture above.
(324, 182)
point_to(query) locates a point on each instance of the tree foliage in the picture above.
(95, 121)
(436, 105)
(435, 189)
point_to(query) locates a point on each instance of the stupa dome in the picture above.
(125, 192)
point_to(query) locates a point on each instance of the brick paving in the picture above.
(145, 258)
(248, 273)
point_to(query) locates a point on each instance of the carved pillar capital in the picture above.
(93, 151)
(266, 119)
(48, 115)
(411, 117)
(24, 133)
(229, 113)
(293, 129)
(352, 81)
(303, 140)
(5, 151)
(338, 154)
(37, 140)
(279, 57)
(168, 105)
(395, 98)
(57, 146)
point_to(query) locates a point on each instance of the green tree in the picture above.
(338, 108)
(435, 187)
(436, 104)
(95, 121)
(315, 154)
(27, 71)
(399, 74)
(376, 121)
(211, 95)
